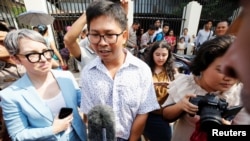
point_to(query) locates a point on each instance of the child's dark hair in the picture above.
(42, 29)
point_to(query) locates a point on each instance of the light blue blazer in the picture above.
(28, 118)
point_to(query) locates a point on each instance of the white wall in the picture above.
(192, 16)
(130, 13)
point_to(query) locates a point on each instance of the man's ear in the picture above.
(125, 34)
(125, 37)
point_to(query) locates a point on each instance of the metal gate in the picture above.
(9, 9)
(146, 11)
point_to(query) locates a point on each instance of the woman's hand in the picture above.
(60, 125)
(226, 122)
(187, 106)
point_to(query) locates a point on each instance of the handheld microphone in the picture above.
(101, 123)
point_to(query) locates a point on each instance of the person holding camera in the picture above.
(32, 103)
(207, 78)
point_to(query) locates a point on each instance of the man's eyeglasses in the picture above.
(108, 38)
(36, 57)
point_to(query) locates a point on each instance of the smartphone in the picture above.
(64, 112)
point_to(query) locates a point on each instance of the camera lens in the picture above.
(210, 117)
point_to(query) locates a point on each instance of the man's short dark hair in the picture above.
(223, 20)
(151, 27)
(136, 22)
(157, 20)
(107, 8)
(165, 24)
(209, 20)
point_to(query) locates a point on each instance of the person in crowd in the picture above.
(188, 40)
(161, 35)
(204, 34)
(83, 54)
(84, 41)
(132, 44)
(9, 70)
(146, 37)
(146, 43)
(207, 78)
(161, 63)
(186, 36)
(64, 52)
(158, 29)
(221, 28)
(171, 39)
(9, 73)
(236, 60)
(32, 103)
(139, 33)
(181, 46)
(65, 56)
(43, 30)
(107, 79)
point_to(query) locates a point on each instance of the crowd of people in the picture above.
(137, 78)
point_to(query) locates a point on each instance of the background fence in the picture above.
(146, 11)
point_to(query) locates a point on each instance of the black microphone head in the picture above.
(101, 123)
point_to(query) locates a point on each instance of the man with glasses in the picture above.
(116, 77)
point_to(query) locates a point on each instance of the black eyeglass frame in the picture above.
(40, 54)
(103, 36)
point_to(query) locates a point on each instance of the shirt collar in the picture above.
(129, 60)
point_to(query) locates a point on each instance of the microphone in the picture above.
(101, 123)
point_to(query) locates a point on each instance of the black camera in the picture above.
(212, 109)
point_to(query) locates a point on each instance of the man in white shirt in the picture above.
(204, 34)
(116, 77)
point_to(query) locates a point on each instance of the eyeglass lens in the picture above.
(36, 57)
